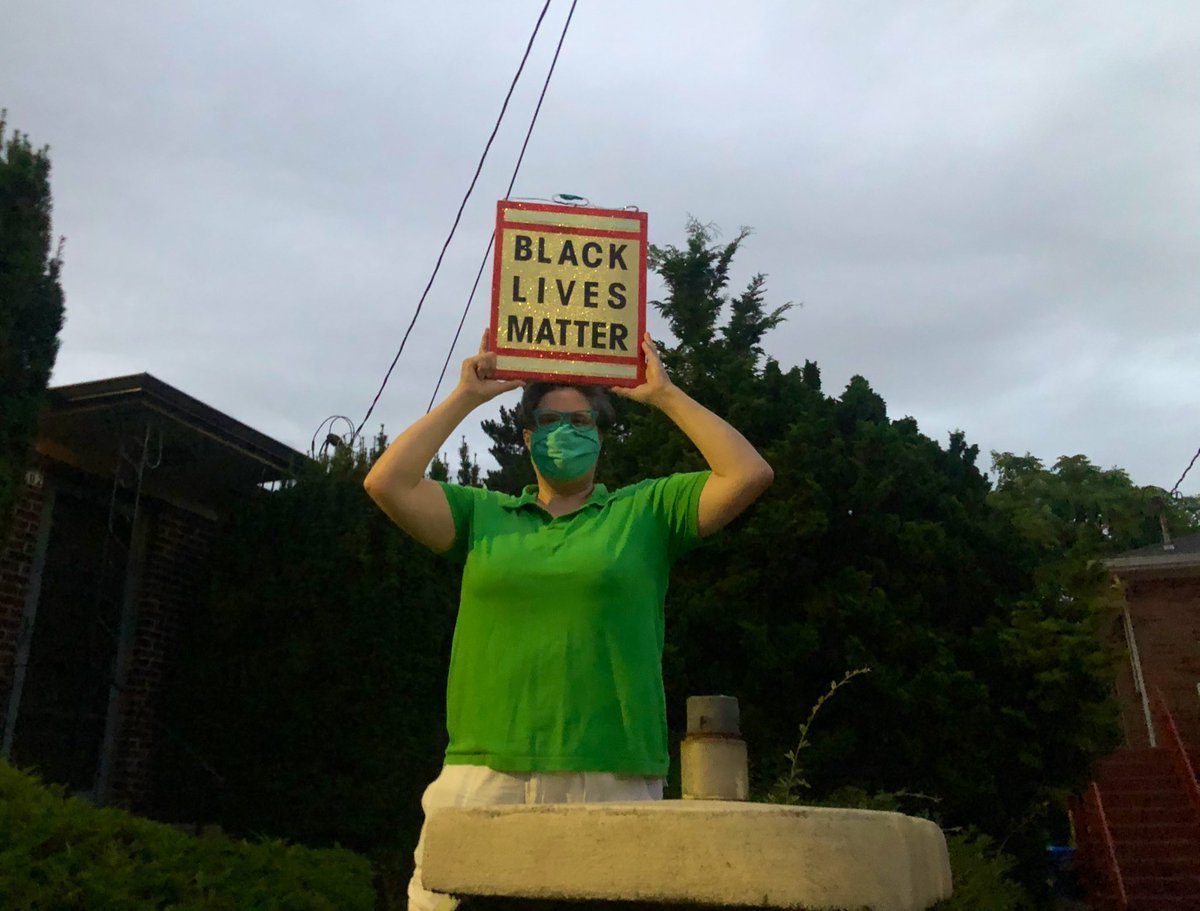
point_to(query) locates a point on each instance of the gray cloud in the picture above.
(989, 211)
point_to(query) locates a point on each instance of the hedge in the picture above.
(63, 853)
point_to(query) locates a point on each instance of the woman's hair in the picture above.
(597, 398)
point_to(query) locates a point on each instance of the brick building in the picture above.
(1159, 635)
(1137, 826)
(128, 480)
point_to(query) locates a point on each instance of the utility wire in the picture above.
(454, 227)
(507, 194)
(331, 438)
(1175, 489)
(457, 332)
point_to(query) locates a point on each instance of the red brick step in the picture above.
(1181, 886)
(1154, 828)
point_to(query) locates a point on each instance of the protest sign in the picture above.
(569, 294)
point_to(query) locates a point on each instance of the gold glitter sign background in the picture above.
(569, 294)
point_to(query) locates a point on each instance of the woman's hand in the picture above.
(478, 376)
(397, 480)
(739, 473)
(658, 384)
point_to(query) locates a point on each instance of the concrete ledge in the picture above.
(690, 852)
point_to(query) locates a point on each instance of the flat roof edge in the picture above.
(1167, 563)
(176, 404)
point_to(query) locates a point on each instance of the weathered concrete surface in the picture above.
(693, 852)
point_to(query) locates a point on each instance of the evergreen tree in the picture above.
(31, 306)
(308, 701)
(468, 466)
(515, 472)
(439, 468)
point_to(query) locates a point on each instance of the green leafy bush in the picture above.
(982, 877)
(61, 852)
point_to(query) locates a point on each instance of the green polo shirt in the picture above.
(557, 658)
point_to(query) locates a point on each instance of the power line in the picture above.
(1175, 489)
(457, 218)
(331, 439)
(507, 194)
(457, 332)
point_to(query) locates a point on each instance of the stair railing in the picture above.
(1110, 849)
(1179, 754)
(1097, 852)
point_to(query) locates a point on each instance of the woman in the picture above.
(555, 689)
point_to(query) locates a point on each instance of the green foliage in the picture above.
(1075, 513)
(309, 700)
(439, 468)
(63, 853)
(515, 471)
(1071, 515)
(31, 306)
(468, 466)
(984, 877)
(787, 788)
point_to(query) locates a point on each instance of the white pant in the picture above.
(479, 786)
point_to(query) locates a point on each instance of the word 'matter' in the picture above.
(580, 332)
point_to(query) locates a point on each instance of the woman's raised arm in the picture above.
(397, 482)
(739, 473)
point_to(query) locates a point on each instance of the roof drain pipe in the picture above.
(1138, 680)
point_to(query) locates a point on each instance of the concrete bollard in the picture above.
(712, 758)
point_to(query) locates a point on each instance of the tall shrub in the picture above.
(31, 305)
(309, 703)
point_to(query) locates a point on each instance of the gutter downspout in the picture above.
(1139, 681)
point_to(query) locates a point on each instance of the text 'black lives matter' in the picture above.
(589, 293)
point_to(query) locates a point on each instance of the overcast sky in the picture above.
(990, 210)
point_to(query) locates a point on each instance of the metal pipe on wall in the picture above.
(1138, 680)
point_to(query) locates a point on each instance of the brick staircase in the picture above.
(1155, 834)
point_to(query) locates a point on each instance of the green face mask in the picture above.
(563, 452)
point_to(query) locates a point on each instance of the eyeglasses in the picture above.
(548, 417)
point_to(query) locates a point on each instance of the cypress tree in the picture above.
(31, 306)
